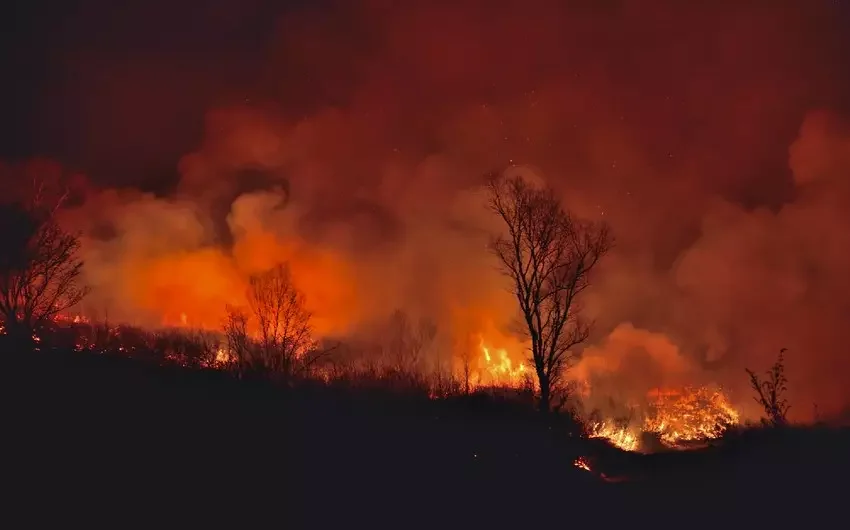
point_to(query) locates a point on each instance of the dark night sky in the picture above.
(119, 89)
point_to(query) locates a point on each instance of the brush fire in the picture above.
(676, 418)
(474, 248)
(727, 241)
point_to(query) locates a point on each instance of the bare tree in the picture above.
(282, 344)
(282, 318)
(549, 255)
(770, 392)
(239, 344)
(40, 272)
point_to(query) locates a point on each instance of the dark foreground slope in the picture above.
(111, 437)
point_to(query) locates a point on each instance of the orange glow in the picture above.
(187, 288)
(325, 277)
(191, 289)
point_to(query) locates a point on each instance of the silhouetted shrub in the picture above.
(770, 392)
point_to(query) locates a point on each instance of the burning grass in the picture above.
(623, 437)
(675, 417)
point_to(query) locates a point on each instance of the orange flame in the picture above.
(691, 414)
(498, 369)
(582, 463)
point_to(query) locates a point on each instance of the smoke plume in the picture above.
(695, 131)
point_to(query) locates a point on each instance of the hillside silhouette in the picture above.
(102, 432)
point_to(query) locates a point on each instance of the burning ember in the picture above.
(222, 356)
(70, 319)
(582, 463)
(675, 417)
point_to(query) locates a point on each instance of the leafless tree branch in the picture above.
(282, 344)
(40, 272)
(549, 255)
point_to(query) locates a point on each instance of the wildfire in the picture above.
(675, 417)
(222, 356)
(623, 437)
(498, 369)
(695, 414)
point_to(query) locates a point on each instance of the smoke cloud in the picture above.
(693, 130)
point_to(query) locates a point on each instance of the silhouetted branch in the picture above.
(771, 390)
(273, 335)
(549, 255)
(40, 272)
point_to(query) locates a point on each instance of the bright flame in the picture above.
(623, 437)
(498, 368)
(676, 417)
(222, 355)
(694, 414)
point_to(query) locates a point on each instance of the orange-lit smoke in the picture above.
(359, 161)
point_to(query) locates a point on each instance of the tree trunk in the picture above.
(545, 393)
